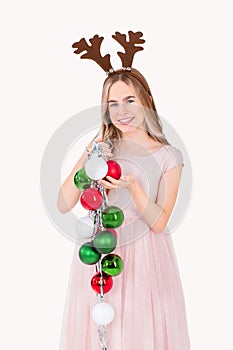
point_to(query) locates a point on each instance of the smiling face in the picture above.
(124, 108)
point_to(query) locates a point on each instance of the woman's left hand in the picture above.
(127, 181)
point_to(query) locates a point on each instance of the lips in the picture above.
(125, 121)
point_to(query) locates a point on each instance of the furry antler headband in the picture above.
(93, 50)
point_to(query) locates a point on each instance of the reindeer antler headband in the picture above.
(93, 50)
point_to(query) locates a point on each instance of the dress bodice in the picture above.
(147, 169)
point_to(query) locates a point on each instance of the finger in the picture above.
(104, 145)
(99, 139)
(107, 184)
(106, 151)
(105, 148)
(114, 181)
(108, 154)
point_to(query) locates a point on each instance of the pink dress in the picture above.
(147, 296)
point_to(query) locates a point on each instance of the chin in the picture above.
(127, 129)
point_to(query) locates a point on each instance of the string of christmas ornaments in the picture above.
(98, 230)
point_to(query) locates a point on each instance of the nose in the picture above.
(123, 108)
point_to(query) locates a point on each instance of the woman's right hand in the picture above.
(69, 194)
(107, 149)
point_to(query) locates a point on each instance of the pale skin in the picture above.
(123, 103)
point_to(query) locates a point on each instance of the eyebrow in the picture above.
(124, 99)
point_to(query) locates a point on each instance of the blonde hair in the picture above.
(137, 81)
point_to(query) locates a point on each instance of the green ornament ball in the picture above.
(105, 242)
(112, 217)
(81, 180)
(88, 254)
(112, 264)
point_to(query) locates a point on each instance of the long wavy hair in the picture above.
(138, 83)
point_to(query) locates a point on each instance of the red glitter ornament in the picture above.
(91, 199)
(114, 170)
(106, 281)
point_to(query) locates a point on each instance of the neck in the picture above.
(139, 136)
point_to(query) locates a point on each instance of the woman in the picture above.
(147, 296)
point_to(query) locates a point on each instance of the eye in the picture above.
(130, 101)
(114, 104)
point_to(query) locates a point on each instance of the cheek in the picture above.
(134, 109)
(113, 113)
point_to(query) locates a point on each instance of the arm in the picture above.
(69, 194)
(157, 214)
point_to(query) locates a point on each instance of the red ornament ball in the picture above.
(114, 170)
(106, 281)
(91, 199)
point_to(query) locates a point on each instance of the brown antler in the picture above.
(129, 46)
(93, 52)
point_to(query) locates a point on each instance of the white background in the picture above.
(188, 63)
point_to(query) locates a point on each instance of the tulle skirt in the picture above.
(147, 298)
